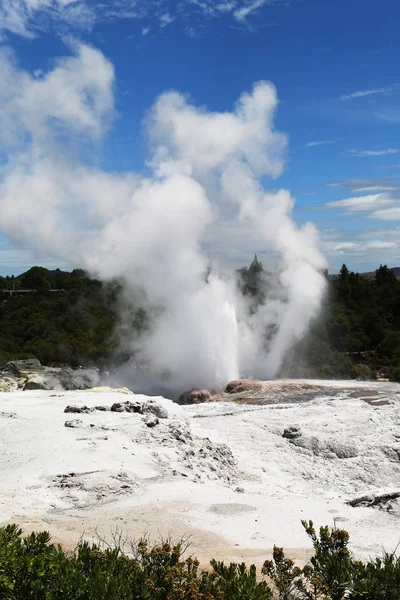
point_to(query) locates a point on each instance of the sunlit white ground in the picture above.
(169, 480)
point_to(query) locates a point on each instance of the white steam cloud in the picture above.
(149, 230)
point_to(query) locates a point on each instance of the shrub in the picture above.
(31, 568)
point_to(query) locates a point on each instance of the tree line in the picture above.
(356, 335)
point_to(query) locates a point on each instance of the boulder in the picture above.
(74, 424)
(21, 368)
(79, 410)
(35, 383)
(153, 407)
(118, 407)
(151, 420)
(292, 432)
(242, 385)
(32, 375)
(76, 379)
(133, 407)
(194, 397)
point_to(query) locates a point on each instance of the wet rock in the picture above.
(292, 432)
(74, 424)
(194, 397)
(79, 410)
(151, 420)
(242, 385)
(118, 407)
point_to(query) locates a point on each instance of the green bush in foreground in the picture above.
(33, 568)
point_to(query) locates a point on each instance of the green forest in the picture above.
(70, 318)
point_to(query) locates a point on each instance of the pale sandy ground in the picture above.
(234, 500)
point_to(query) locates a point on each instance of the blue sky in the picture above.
(336, 69)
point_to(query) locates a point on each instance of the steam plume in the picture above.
(149, 230)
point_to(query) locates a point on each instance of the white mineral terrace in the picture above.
(220, 472)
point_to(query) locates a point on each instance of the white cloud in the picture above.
(75, 97)
(362, 203)
(28, 18)
(361, 250)
(145, 31)
(346, 246)
(166, 19)
(242, 13)
(376, 188)
(387, 214)
(381, 245)
(319, 143)
(370, 92)
(226, 7)
(362, 153)
(366, 185)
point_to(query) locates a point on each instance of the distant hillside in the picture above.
(371, 274)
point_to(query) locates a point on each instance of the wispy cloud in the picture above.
(381, 245)
(365, 249)
(362, 203)
(319, 143)
(362, 153)
(166, 19)
(370, 92)
(242, 13)
(366, 185)
(376, 188)
(28, 18)
(387, 214)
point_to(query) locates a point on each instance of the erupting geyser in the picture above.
(150, 230)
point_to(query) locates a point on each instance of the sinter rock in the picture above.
(151, 420)
(329, 448)
(35, 383)
(31, 375)
(73, 424)
(133, 407)
(292, 432)
(153, 407)
(194, 397)
(243, 385)
(79, 409)
(149, 407)
(22, 368)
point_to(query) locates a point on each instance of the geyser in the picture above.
(149, 230)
